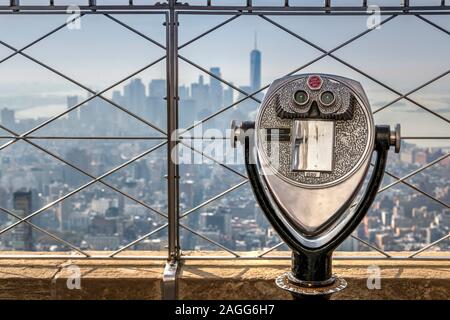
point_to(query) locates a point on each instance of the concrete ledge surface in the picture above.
(137, 278)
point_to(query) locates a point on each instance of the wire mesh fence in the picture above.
(177, 207)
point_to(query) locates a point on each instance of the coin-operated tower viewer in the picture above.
(307, 155)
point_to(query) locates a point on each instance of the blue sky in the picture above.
(102, 50)
(404, 53)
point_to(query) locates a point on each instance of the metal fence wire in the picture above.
(171, 11)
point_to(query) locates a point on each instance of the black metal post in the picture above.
(313, 268)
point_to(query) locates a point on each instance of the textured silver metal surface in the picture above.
(352, 140)
(340, 107)
(312, 206)
(312, 144)
(305, 211)
(284, 283)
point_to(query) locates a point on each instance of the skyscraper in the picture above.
(22, 234)
(199, 93)
(156, 103)
(81, 159)
(157, 88)
(73, 115)
(134, 95)
(228, 96)
(215, 88)
(255, 68)
(8, 118)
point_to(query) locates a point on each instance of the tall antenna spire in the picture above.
(256, 40)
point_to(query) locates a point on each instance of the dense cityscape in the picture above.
(99, 217)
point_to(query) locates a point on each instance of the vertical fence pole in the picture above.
(170, 288)
(172, 126)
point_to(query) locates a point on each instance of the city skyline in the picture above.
(99, 218)
(34, 92)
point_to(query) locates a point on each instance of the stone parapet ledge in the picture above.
(137, 278)
(100, 279)
(412, 279)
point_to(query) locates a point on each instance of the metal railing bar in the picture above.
(84, 87)
(429, 246)
(83, 102)
(201, 205)
(432, 24)
(204, 138)
(339, 257)
(172, 73)
(281, 13)
(187, 257)
(406, 5)
(424, 138)
(208, 31)
(32, 225)
(209, 240)
(412, 173)
(138, 240)
(40, 38)
(290, 73)
(76, 257)
(139, 138)
(218, 78)
(202, 9)
(131, 8)
(18, 137)
(205, 9)
(270, 250)
(371, 246)
(82, 187)
(84, 12)
(214, 160)
(357, 69)
(123, 24)
(228, 10)
(412, 91)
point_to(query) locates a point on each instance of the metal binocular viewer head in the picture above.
(307, 156)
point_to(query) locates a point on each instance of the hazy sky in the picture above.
(404, 53)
